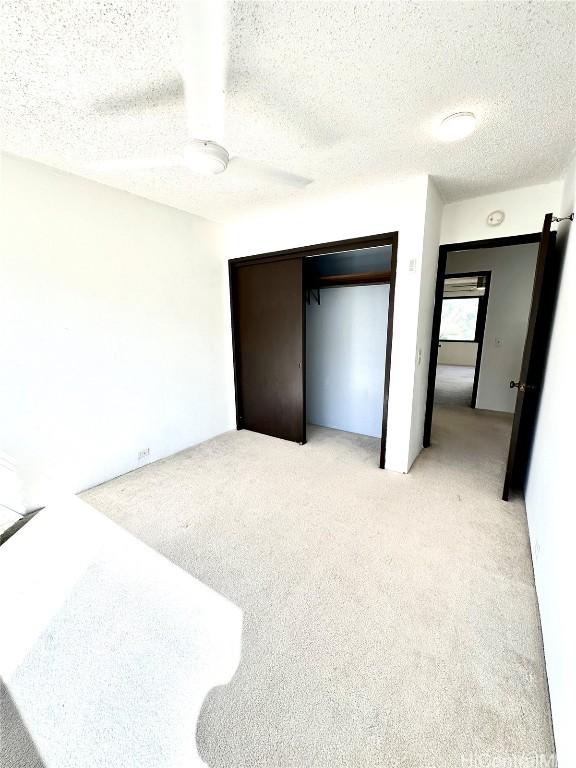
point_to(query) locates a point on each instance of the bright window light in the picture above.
(459, 319)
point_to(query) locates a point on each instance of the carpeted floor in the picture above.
(454, 385)
(389, 620)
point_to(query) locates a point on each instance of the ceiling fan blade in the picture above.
(274, 95)
(257, 170)
(136, 163)
(203, 65)
(158, 94)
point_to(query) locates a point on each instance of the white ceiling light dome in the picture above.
(457, 126)
(205, 157)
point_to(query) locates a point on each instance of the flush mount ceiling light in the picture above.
(205, 157)
(457, 126)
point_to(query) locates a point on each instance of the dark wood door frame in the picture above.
(334, 246)
(470, 245)
(351, 244)
(480, 323)
(390, 331)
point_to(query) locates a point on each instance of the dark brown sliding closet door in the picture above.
(268, 332)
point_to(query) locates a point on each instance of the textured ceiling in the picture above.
(336, 91)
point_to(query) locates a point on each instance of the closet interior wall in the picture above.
(346, 339)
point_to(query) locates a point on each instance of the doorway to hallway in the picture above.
(461, 337)
(512, 349)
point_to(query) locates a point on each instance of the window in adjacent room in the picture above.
(459, 319)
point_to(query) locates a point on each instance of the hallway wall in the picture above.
(457, 353)
(524, 210)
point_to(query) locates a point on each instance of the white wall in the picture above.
(346, 358)
(525, 209)
(427, 287)
(511, 285)
(115, 334)
(457, 353)
(311, 216)
(550, 497)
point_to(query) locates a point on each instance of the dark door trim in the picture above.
(470, 245)
(389, 335)
(480, 331)
(351, 244)
(235, 342)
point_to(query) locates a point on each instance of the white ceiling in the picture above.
(336, 91)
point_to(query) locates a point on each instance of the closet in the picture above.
(312, 333)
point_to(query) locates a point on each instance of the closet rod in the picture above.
(360, 278)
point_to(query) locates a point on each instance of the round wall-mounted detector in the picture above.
(495, 218)
(457, 126)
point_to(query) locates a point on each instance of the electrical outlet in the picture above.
(145, 454)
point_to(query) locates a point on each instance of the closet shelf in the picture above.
(359, 278)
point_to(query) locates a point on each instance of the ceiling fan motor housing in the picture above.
(207, 157)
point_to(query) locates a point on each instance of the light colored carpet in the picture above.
(389, 620)
(109, 649)
(454, 384)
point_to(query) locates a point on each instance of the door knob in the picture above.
(521, 386)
